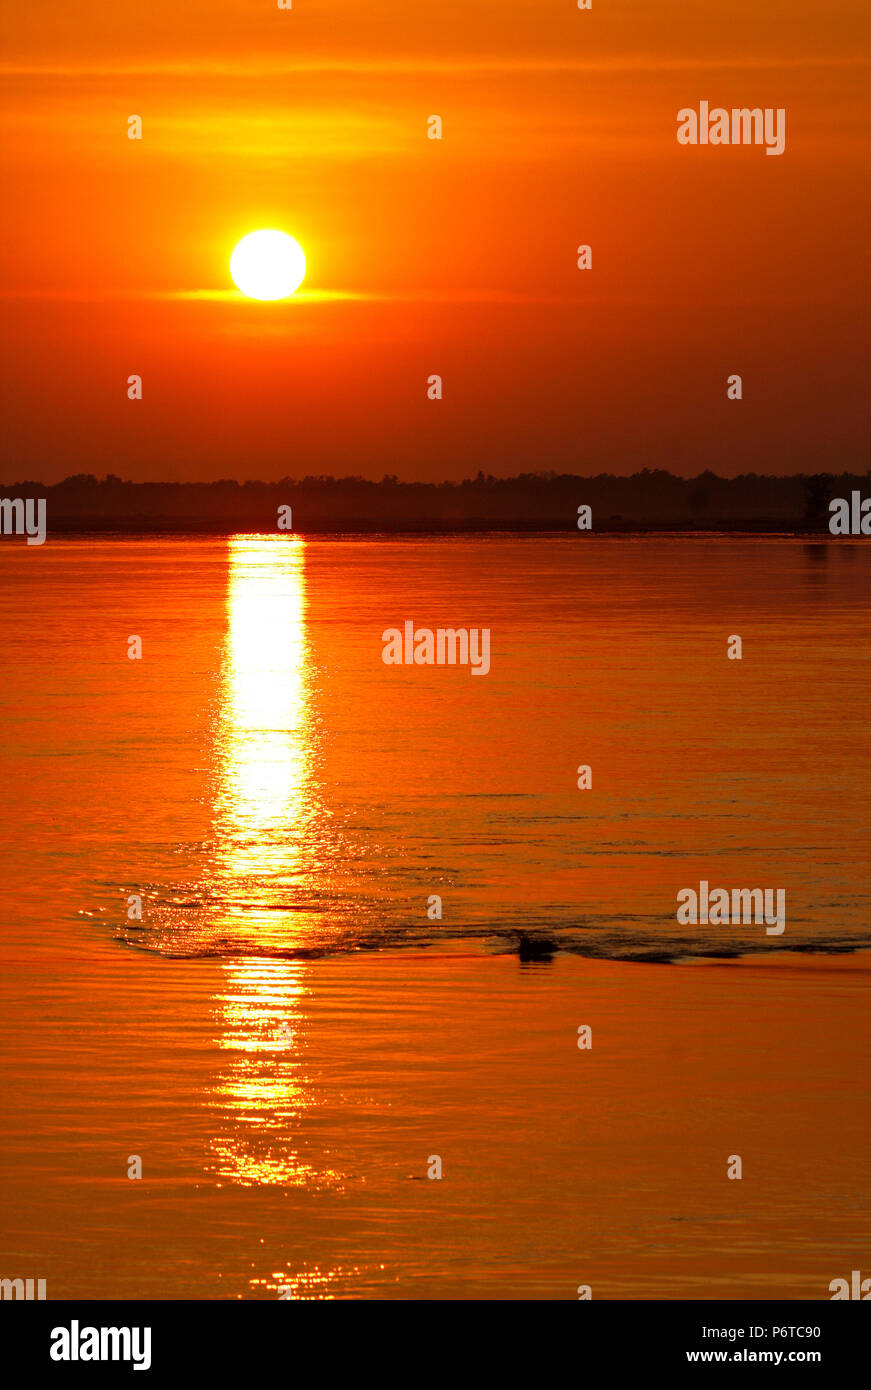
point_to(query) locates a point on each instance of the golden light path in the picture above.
(264, 752)
(262, 798)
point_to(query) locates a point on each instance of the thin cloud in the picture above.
(316, 296)
(267, 65)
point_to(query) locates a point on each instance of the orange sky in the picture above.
(454, 257)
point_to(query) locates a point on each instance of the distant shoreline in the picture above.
(687, 531)
(649, 502)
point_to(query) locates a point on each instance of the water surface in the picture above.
(269, 786)
(286, 1038)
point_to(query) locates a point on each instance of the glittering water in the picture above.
(269, 787)
(279, 799)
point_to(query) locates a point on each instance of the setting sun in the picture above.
(267, 265)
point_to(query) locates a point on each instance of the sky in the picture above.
(455, 257)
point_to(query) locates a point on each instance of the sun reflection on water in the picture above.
(311, 1284)
(264, 797)
(263, 1091)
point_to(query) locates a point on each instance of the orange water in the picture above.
(286, 805)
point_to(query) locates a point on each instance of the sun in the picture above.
(267, 265)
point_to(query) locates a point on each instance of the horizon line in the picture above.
(392, 480)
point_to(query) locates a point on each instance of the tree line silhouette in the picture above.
(548, 501)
